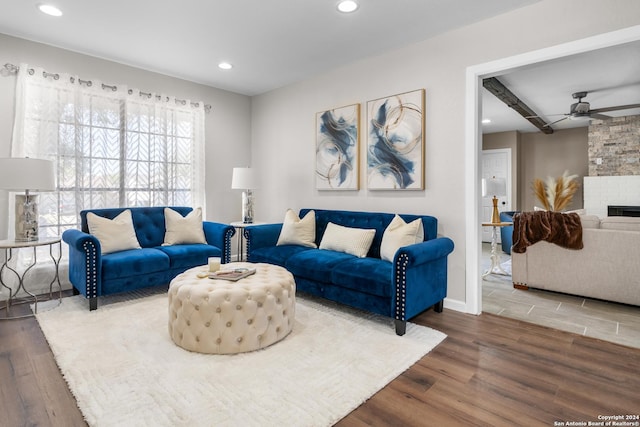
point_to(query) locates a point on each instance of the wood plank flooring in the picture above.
(489, 371)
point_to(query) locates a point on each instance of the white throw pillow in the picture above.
(398, 234)
(115, 234)
(354, 241)
(183, 229)
(296, 231)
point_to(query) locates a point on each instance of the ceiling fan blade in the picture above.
(599, 116)
(557, 121)
(616, 108)
(545, 115)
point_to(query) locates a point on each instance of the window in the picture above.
(112, 146)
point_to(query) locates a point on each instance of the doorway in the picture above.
(473, 139)
(495, 163)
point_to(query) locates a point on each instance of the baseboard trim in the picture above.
(455, 305)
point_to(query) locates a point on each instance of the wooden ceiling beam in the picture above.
(501, 92)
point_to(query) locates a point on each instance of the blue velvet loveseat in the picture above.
(415, 281)
(93, 273)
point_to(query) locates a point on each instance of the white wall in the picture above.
(603, 191)
(228, 125)
(283, 120)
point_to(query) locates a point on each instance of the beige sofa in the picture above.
(607, 268)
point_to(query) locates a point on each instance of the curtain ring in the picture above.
(31, 71)
(56, 76)
(72, 79)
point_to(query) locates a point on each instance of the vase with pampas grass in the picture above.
(555, 194)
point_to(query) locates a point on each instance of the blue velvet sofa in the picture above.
(94, 274)
(415, 281)
(506, 233)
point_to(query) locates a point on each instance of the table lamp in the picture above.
(496, 187)
(26, 174)
(244, 179)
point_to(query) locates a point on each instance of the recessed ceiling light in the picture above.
(486, 121)
(225, 66)
(50, 10)
(347, 6)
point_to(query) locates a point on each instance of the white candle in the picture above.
(214, 264)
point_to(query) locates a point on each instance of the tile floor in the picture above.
(608, 321)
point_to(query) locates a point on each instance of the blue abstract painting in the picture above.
(395, 145)
(337, 136)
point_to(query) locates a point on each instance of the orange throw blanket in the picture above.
(563, 229)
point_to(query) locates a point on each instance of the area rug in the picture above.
(123, 368)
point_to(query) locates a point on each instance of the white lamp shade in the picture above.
(21, 173)
(494, 187)
(243, 179)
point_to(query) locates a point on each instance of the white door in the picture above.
(495, 163)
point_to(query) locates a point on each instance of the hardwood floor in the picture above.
(489, 371)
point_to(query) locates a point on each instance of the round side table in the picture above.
(495, 268)
(240, 226)
(9, 246)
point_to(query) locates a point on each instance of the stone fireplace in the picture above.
(614, 165)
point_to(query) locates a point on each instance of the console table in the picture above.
(495, 268)
(9, 247)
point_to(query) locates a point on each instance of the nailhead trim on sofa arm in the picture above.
(408, 257)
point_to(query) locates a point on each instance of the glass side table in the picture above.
(240, 226)
(9, 247)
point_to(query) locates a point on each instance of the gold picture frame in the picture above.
(395, 142)
(337, 148)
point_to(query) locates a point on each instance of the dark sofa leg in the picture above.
(437, 307)
(93, 303)
(75, 291)
(401, 327)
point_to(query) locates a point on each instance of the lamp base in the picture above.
(247, 207)
(26, 226)
(495, 216)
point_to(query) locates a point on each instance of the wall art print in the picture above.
(395, 143)
(337, 137)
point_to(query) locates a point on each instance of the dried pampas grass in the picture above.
(556, 194)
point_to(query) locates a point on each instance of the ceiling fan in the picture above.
(581, 110)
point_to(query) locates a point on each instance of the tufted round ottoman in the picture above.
(224, 317)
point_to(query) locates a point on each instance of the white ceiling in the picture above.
(610, 75)
(271, 43)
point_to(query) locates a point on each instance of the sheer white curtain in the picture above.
(112, 146)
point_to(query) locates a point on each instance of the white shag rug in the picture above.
(123, 368)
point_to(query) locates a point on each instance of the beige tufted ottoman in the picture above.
(223, 317)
